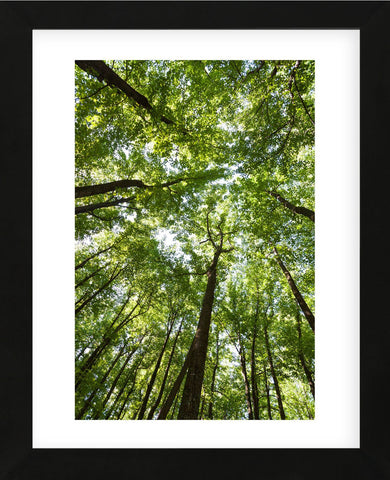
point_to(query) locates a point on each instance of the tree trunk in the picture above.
(267, 392)
(174, 408)
(308, 374)
(131, 389)
(201, 408)
(109, 335)
(107, 397)
(101, 382)
(99, 69)
(81, 353)
(273, 373)
(255, 393)
(189, 406)
(91, 360)
(297, 294)
(161, 392)
(100, 348)
(246, 382)
(122, 389)
(154, 374)
(176, 386)
(196, 357)
(211, 404)
(300, 210)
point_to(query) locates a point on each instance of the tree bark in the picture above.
(300, 210)
(100, 70)
(297, 294)
(161, 392)
(273, 373)
(155, 371)
(308, 374)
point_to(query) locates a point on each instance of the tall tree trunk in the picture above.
(122, 389)
(196, 357)
(130, 391)
(155, 371)
(176, 387)
(212, 388)
(107, 338)
(81, 353)
(307, 371)
(114, 383)
(100, 383)
(300, 210)
(241, 352)
(161, 392)
(273, 373)
(91, 360)
(201, 408)
(189, 406)
(267, 392)
(173, 413)
(255, 393)
(297, 294)
(103, 72)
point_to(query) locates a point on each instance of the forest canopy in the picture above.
(194, 248)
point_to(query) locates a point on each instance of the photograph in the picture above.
(194, 242)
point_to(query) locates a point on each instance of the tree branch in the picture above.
(300, 210)
(95, 206)
(100, 70)
(94, 93)
(90, 190)
(303, 103)
(209, 231)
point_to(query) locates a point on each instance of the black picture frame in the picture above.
(18, 460)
